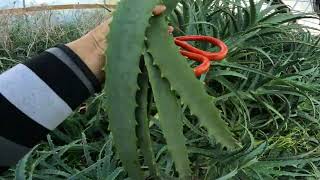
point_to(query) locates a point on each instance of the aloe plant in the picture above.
(122, 86)
(267, 90)
(249, 23)
(122, 71)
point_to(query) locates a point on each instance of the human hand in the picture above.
(91, 47)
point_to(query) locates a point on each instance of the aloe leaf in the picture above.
(276, 18)
(171, 118)
(171, 5)
(230, 175)
(143, 124)
(270, 9)
(181, 78)
(253, 12)
(21, 168)
(263, 165)
(125, 45)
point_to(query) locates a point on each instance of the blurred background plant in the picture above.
(23, 38)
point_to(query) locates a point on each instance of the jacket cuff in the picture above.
(82, 66)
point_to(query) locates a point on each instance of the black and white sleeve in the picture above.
(37, 96)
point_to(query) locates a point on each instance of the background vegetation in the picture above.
(267, 90)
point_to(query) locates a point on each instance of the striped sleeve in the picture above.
(37, 96)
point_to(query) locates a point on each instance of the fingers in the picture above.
(159, 9)
(103, 28)
(107, 18)
(170, 29)
(105, 24)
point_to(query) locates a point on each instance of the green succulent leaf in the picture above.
(143, 130)
(181, 78)
(125, 45)
(171, 119)
(171, 5)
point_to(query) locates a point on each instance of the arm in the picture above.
(37, 96)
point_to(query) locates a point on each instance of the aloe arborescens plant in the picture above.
(267, 90)
(169, 75)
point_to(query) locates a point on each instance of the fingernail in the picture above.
(170, 30)
(162, 8)
(159, 9)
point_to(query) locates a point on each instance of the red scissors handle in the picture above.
(205, 62)
(199, 55)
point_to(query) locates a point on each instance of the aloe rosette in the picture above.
(136, 36)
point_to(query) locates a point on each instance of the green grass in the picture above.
(267, 90)
(24, 37)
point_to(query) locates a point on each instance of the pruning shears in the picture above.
(201, 56)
